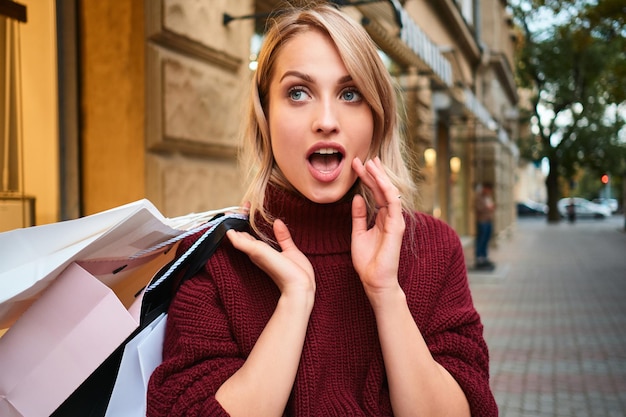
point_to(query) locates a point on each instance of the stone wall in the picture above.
(197, 78)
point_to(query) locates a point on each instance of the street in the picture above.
(554, 312)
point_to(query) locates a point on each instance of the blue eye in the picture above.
(297, 94)
(351, 95)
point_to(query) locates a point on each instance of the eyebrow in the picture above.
(343, 80)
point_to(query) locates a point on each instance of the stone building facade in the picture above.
(151, 95)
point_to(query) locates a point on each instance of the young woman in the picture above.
(342, 300)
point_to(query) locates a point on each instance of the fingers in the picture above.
(283, 237)
(359, 168)
(359, 215)
(259, 252)
(256, 248)
(366, 178)
(288, 268)
(242, 241)
(373, 175)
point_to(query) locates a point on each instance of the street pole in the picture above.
(623, 202)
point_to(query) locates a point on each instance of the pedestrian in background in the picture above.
(485, 208)
(571, 210)
(342, 300)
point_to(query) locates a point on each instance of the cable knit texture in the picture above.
(217, 316)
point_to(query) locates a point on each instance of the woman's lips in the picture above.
(325, 163)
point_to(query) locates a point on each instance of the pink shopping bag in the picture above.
(69, 331)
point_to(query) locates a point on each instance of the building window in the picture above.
(10, 107)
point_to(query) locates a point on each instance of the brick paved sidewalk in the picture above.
(555, 319)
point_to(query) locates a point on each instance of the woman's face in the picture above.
(318, 120)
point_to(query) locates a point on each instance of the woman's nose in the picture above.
(325, 120)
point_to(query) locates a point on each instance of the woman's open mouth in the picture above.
(325, 163)
(326, 159)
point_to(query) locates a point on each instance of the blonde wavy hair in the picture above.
(361, 59)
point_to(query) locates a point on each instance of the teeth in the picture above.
(326, 151)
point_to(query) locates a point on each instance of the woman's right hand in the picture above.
(264, 382)
(290, 269)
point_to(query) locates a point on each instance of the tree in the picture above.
(575, 69)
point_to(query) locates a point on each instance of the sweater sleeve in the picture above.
(455, 332)
(199, 354)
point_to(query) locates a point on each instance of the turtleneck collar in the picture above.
(315, 228)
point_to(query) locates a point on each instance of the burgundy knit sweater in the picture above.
(217, 316)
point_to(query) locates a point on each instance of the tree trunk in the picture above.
(552, 186)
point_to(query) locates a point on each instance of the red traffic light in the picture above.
(605, 179)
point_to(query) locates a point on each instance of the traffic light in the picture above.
(605, 179)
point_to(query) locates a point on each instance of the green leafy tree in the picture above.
(572, 58)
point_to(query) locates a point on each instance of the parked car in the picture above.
(530, 208)
(584, 208)
(609, 202)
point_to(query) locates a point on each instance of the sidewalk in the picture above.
(554, 312)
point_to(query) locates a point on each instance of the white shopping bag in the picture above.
(32, 258)
(141, 356)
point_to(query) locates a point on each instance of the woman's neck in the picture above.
(315, 228)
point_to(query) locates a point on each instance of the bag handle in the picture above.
(163, 286)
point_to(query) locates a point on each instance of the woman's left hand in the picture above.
(376, 251)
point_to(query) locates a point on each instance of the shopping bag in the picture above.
(59, 341)
(141, 355)
(74, 325)
(118, 387)
(88, 307)
(32, 258)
